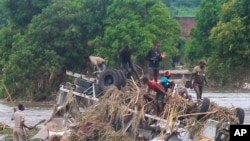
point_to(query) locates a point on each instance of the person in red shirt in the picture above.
(160, 93)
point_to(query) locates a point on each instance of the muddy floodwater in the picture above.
(36, 113)
(33, 113)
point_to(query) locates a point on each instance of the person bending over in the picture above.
(160, 93)
(97, 62)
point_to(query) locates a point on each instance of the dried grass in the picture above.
(107, 119)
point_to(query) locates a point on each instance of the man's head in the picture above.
(126, 48)
(157, 45)
(21, 107)
(167, 74)
(203, 63)
(188, 84)
(86, 59)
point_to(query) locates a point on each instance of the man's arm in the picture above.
(24, 125)
(192, 75)
(13, 115)
(205, 80)
(160, 57)
(93, 60)
(149, 57)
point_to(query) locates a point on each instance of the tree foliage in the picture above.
(43, 38)
(143, 23)
(51, 42)
(206, 19)
(221, 37)
(230, 39)
(22, 11)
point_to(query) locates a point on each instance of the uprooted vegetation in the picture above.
(119, 114)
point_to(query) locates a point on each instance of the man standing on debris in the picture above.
(98, 62)
(154, 58)
(160, 93)
(199, 78)
(19, 118)
(125, 60)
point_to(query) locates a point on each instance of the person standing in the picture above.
(154, 58)
(198, 78)
(19, 125)
(125, 60)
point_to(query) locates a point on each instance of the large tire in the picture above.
(108, 77)
(122, 77)
(240, 115)
(203, 108)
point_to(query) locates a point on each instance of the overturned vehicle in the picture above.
(113, 107)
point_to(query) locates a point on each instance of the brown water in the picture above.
(37, 112)
(33, 113)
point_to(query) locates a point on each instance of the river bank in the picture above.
(29, 103)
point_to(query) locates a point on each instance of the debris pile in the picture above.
(120, 112)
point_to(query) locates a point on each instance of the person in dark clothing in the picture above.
(126, 61)
(154, 58)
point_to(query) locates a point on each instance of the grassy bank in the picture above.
(6, 134)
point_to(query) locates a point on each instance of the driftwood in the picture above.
(195, 114)
(4, 126)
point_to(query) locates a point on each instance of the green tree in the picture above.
(52, 42)
(143, 23)
(3, 15)
(230, 39)
(22, 11)
(206, 18)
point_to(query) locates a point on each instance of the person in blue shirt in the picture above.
(164, 80)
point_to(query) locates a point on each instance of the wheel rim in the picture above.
(108, 80)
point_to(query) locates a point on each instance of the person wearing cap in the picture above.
(164, 80)
(124, 58)
(19, 118)
(154, 58)
(160, 93)
(198, 78)
(181, 90)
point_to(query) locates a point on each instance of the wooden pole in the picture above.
(195, 114)
(6, 89)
